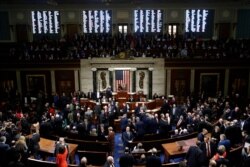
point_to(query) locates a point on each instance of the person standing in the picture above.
(61, 157)
(194, 156)
(4, 148)
(34, 146)
(127, 137)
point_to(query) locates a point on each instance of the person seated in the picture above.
(126, 160)
(139, 149)
(109, 162)
(141, 160)
(83, 162)
(153, 160)
(93, 132)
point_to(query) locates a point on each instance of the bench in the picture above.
(93, 157)
(40, 163)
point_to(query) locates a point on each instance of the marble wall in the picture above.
(146, 65)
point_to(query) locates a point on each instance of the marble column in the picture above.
(94, 79)
(133, 70)
(226, 82)
(168, 81)
(111, 77)
(150, 83)
(76, 74)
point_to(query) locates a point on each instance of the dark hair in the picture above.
(61, 149)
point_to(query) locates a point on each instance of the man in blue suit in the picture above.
(127, 137)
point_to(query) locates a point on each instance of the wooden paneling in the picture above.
(180, 83)
(8, 83)
(238, 81)
(224, 30)
(65, 81)
(35, 81)
(212, 81)
(22, 33)
(72, 29)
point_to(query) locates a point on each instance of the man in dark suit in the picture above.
(194, 156)
(34, 146)
(127, 137)
(4, 148)
(201, 135)
(124, 122)
(139, 127)
(153, 160)
(208, 148)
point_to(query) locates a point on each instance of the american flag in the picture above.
(122, 80)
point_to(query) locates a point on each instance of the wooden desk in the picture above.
(47, 147)
(171, 149)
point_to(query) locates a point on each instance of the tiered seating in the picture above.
(93, 157)
(157, 142)
(90, 145)
(39, 163)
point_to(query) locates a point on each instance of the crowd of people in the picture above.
(22, 125)
(134, 45)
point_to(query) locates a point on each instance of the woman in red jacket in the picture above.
(61, 158)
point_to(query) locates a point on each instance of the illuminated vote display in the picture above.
(199, 21)
(45, 22)
(97, 21)
(148, 21)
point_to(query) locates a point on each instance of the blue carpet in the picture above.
(118, 150)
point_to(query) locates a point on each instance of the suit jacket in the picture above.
(154, 161)
(140, 130)
(246, 162)
(126, 138)
(126, 160)
(213, 149)
(3, 153)
(34, 143)
(194, 157)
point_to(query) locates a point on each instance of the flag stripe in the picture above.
(122, 78)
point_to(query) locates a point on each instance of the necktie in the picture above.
(208, 150)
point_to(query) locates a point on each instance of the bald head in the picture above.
(110, 159)
(84, 161)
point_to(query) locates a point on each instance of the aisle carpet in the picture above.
(118, 149)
